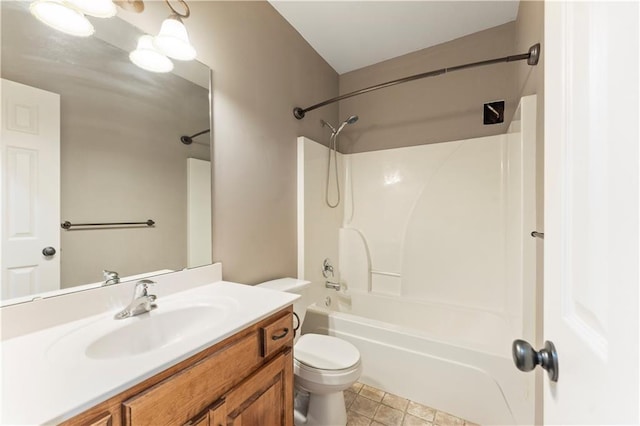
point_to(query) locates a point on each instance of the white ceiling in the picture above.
(353, 34)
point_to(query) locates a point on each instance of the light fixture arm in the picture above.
(187, 12)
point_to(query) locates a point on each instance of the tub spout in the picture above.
(334, 285)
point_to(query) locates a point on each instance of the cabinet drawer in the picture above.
(187, 393)
(276, 335)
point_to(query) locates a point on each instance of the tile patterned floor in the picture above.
(368, 406)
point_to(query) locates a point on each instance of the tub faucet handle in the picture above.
(327, 268)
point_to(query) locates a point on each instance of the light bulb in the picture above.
(62, 16)
(97, 8)
(173, 40)
(147, 57)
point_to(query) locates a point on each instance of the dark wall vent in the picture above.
(494, 112)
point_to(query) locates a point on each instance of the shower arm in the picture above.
(200, 133)
(188, 140)
(532, 57)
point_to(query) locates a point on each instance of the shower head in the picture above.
(349, 120)
(335, 132)
(333, 146)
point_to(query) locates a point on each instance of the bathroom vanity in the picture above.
(212, 352)
(245, 379)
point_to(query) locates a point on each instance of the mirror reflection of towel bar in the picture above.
(68, 225)
(387, 274)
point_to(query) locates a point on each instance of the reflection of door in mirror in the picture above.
(30, 152)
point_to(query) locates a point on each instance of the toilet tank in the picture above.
(292, 285)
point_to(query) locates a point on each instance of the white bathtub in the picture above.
(460, 378)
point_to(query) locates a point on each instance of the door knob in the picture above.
(48, 251)
(526, 358)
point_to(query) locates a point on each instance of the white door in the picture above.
(30, 202)
(591, 211)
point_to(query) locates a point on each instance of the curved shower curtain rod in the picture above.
(532, 57)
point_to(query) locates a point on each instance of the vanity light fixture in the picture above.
(63, 16)
(173, 40)
(147, 57)
(97, 8)
(135, 6)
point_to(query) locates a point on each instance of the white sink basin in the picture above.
(151, 331)
(107, 338)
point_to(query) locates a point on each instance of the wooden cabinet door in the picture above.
(215, 415)
(202, 420)
(265, 398)
(190, 391)
(218, 414)
(263, 409)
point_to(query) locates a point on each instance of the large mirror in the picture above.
(90, 138)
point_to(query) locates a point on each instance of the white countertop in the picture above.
(46, 382)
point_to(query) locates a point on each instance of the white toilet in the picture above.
(323, 366)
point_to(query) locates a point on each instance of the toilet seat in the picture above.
(325, 364)
(327, 353)
(326, 377)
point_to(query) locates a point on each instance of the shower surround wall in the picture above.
(317, 222)
(441, 224)
(434, 244)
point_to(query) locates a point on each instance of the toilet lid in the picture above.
(325, 352)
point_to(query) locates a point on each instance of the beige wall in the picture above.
(443, 108)
(262, 69)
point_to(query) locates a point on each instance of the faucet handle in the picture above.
(142, 288)
(327, 268)
(110, 277)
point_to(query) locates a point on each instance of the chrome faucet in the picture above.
(334, 285)
(110, 277)
(142, 301)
